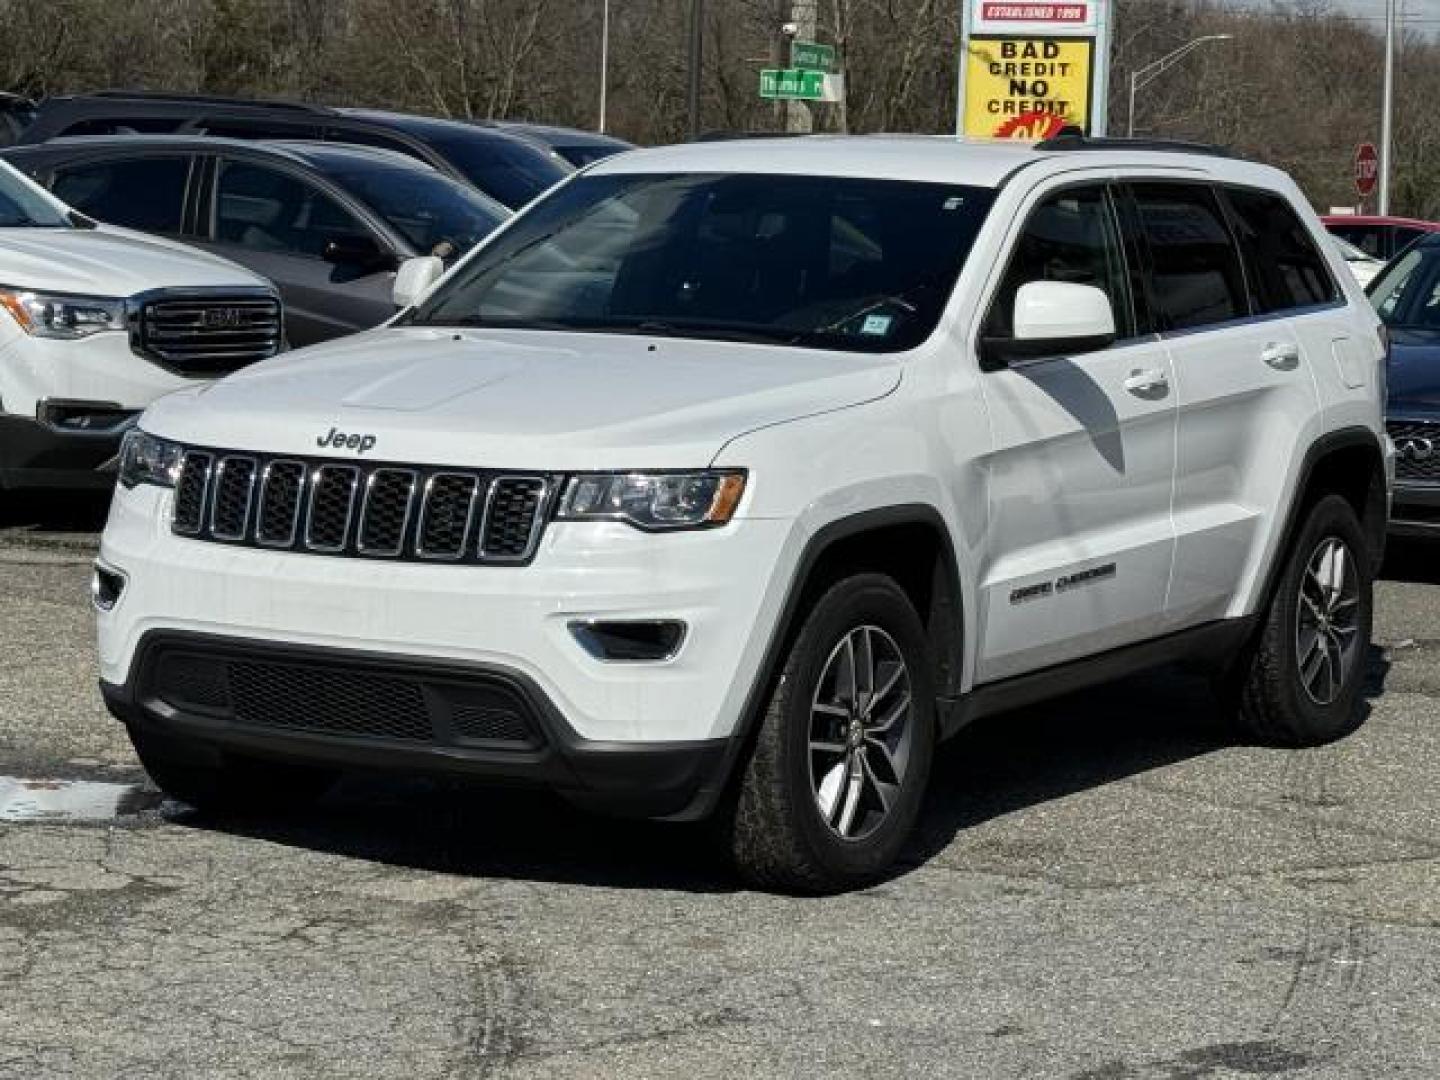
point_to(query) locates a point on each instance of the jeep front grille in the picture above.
(1417, 449)
(208, 336)
(429, 514)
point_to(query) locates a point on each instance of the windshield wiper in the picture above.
(755, 336)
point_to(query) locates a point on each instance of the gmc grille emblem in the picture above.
(224, 318)
(1415, 448)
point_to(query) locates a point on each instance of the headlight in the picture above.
(68, 317)
(144, 459)
(654, 500)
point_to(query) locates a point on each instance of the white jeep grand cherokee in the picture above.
(98, 322)
(730, 478)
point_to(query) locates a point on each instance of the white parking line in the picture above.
(61, 800)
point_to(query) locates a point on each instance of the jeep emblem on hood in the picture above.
(341, 441)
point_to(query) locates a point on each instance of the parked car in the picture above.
(1366, 268)
(579, 148)
(329, 223)
(97, 322)
(1406, 296)
(1379, 237)
(729, 478)
(509, 169)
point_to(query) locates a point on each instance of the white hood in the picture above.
(532, 400)
(110, 262)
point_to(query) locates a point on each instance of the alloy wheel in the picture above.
(860, 732)
(1327, 631)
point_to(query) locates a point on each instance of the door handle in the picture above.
(1282, 356)
(1147, 383)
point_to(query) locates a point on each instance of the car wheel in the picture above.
(226, 782)
(836, 778)
(1301, 684)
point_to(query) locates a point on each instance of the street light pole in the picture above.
(604, 61)
(697, 50)
(1387, 108)
(1151, 71)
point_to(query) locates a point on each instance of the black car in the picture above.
(579, 148)
(328, 223)
(506, 167)
(1407, 297)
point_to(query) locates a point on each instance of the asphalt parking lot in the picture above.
(1105, 888)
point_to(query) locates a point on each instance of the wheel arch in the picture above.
(909, 542)
(1350, 463)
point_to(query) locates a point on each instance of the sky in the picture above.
(1421, 16)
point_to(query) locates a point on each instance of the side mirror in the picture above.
(357, 249)
(1053, 318)
(415, 278)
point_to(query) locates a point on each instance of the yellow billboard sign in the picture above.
(1027, 88)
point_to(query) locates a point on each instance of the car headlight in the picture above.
(51, 315)
(144, 459)
(658, 500)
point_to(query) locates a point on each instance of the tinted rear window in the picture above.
(138, 193)
(510, 170)
(1196, 275)
(1285, 268)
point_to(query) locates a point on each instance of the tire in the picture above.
(778, 831)
(226, 782)
(1288, 691)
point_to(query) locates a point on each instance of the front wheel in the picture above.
(1301, 684)
(838, 772)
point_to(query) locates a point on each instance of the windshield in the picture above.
(507, 169)
(21, 206)
(436, 215)
(1406, 295)
(852, 264)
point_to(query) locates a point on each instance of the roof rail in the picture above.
(207, 99)
(1073, 138)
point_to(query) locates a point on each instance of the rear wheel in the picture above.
(838, 772)
(1301, 684)
(226, 782)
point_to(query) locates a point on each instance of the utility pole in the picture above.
(697, 56)
(1387, 108)
(604, 61)
(804, 16)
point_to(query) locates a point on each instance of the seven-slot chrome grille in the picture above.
(326, 507)
(1417, 449)
(206, 335)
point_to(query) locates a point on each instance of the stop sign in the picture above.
(1367, 169)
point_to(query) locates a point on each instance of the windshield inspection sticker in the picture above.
(876, 324)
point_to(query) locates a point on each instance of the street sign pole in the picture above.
(964, 55)
(697, 54)
(1387, 108)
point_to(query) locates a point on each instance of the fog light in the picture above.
(106, 585)
(641, 640)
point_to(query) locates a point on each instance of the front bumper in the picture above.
(47, 453)
(1415, 510)
(374, 712)
(726, 585)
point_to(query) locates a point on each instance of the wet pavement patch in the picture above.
(54, 801)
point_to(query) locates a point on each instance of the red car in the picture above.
(1381, 237)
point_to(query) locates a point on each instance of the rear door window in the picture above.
(144, 193)
(1284, 267)
(1195, 273)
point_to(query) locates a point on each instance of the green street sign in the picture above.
(792, 83)
(812, 56)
